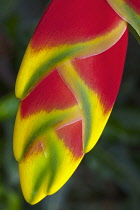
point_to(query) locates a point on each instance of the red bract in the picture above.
(68, 82)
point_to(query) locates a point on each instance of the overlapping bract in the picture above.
(67, 83)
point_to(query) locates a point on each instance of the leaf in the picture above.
(8, 107)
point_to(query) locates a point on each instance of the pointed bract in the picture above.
(95, 82)
(68, 29)
(47, 138)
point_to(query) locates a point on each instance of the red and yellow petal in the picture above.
(68, 29)
(50, 104)
(47, 138)
(95, 82)
(129, 10)
(49, 162)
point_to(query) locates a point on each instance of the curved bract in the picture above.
(68, 29)
(129, 10)
(68, 82)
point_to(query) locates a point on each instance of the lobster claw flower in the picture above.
(67, 83)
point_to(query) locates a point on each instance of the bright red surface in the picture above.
(134, 4)
(103, 72)
(51, 93)
(72, 137)
(72, 21)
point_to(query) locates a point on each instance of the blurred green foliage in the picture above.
(109, 176)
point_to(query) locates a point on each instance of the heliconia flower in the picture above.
(67, 83)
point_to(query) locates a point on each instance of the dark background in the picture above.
(109, 176)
